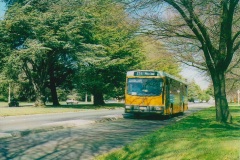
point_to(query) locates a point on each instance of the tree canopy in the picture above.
(50, 42)
(196, 93)
(116, 50)
(157, 57)
(44, 39)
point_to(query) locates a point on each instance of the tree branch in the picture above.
(236, 47)
(235, 36)
(187, 20)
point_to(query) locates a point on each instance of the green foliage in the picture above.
(210, 91)
(4, 90)
(50, 41)
(157, 57)
(3, 98)
(44, 37)
(116, 50)
(195, 93)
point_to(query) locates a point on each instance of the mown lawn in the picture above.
(196, 137)
(28, 109)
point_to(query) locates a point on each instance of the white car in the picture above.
(71, 101)
(196, 101)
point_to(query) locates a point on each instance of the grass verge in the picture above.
(195, 137)
(28, 109)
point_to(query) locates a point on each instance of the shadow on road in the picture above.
(77, 143)
(83, 142)
(151, 117)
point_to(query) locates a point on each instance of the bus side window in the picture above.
(163, 88)
(167, 89)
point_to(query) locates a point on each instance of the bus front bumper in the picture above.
(144, 109)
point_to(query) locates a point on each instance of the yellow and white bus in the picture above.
(154, 92)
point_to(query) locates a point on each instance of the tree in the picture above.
(232, 78)
(116, 49)
(209, 31)
(43, 44)
(157, 57)
(194, 91)
(11, 2)
(46, 45)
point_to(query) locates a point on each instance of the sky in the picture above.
(187, 72)
(191, 73)
(2, 9)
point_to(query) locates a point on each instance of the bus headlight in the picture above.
(158, 108)
(127, 107)
(142, 108)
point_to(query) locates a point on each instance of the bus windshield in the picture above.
(145, 86)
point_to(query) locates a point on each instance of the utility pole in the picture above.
(92, 98)
(9, 93)
(238, 96)
(86, 96)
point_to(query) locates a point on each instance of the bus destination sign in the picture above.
(145, 73)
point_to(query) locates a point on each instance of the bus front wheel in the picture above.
(136, 115)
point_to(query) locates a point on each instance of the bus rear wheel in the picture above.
(170, 115)
(182, 112)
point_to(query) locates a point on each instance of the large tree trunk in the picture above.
(222, 110)
(39, 102)
(98, 99)
(53, 89)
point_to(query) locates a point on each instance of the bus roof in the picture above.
(153, 73)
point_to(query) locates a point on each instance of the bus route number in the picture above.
(145, 73)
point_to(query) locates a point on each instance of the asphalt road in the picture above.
(18, 123)
(86, 141)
